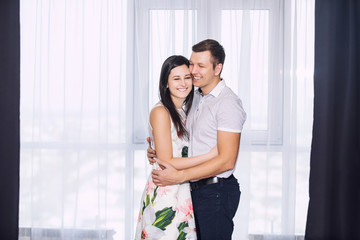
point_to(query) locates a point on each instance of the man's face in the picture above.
(204, 74)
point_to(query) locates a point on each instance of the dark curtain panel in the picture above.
(334, 207)
(9, 118)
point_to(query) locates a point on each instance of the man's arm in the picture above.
(183, 163)
(228, 147)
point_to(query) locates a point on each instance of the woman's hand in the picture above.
(151, 153)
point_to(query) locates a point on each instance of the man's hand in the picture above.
(167, 176)
(151, 154)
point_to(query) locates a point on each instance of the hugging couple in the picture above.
(194, 142)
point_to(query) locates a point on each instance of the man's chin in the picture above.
(197, 84)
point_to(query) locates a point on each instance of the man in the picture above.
(216, 118)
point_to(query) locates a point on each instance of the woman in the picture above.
(166, 212)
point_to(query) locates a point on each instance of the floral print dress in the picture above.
(166, 213)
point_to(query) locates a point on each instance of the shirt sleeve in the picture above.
(230, 115)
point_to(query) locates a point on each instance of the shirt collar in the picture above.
(216, 91)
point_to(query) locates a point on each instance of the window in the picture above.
(265, 45)
(89, 75)
(250, 34)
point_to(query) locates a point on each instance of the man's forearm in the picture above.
(207, 169)
(189, 162)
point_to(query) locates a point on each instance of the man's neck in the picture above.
(207, 89)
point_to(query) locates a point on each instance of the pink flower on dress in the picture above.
(176, 209)
(139, 217)
(144, 234)
(187, 209)
(150, 187)
(163, 191)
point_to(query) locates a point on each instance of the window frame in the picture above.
(209, 27)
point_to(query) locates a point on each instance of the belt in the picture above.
(207, 181)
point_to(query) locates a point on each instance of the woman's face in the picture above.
(179, 84)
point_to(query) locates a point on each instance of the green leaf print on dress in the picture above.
(155, 193)
(164, 217)
(182, 234)
(184, 152)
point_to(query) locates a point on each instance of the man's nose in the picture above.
(193, 69)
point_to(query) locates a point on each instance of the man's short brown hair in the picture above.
(217, 51)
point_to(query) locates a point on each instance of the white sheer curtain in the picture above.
(73, 113)
(271, 56)
(89, 74)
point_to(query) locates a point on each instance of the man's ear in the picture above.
(218, 69)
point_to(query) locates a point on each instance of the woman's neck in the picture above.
(178, 102)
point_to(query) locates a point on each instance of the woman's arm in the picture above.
(161, 125)
(183, 163)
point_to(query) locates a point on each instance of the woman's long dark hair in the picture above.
(170, 63)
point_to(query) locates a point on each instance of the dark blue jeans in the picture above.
(215, 206)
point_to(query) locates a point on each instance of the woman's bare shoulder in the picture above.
(159, 115)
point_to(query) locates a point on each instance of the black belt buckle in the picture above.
(203, 182)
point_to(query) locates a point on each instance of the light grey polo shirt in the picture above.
(222, 110)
